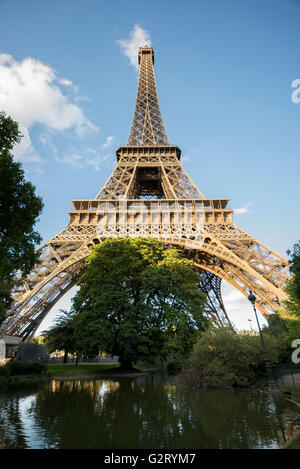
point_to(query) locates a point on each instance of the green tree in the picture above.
(19, 209)
(295, 269)
(139, 301)
(291, 313)
(277, 336)
(61, 335)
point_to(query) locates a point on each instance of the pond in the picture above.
(148, 411)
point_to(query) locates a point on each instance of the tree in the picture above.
(295, 270)
(291, 313)
(137, 300)
(61, 335)
(19, 209)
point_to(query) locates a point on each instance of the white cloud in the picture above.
(245, 209)
(80, 160)
(30, 93)
(108, 142)
(185, 159)
(137, 38)
(66, 82)
(98, 160)
(73, 159)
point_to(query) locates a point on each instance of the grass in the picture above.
(64, 370)
(87, 369)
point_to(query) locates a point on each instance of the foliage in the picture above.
(26, 368)
(15, 368)
(139, 301)
(61, 335)
(291, 313)
(40, 340)
(223, 357)
(4, 371)
(9, 133)
(278, 339)
(19, 209)
(295, 269)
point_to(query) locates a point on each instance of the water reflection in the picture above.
(144, 412)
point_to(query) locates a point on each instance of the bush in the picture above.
(26, 368)
(174, 367)
(4, 371)
(224, 358)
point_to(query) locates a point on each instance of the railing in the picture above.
(287, 375)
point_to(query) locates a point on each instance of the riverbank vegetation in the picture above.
(18, 368)
(225, 358)
(142, 302)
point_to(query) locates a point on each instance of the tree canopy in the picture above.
(19, 210)
(291, 313)
(137, 300)
(61, 335)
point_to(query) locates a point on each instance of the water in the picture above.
(149, 411)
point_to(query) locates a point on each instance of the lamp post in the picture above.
(272, 383)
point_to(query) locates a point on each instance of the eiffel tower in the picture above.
(150, 194)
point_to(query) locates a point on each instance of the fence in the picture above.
(287, 375)
(103, 360)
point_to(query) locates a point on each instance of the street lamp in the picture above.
(272, 383)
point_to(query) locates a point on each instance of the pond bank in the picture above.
(77, 372)
(294, 441)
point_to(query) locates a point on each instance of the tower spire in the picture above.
(147, 126)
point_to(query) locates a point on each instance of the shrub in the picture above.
(26, 368)
(174, 367)
(4, 371)
(224, 358)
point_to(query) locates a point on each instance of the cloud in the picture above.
(66, 82)
(81, 160)
(245, 209)
(137, 38)
(108, 142)
(185, 159)
(30, 92)
(73, 159)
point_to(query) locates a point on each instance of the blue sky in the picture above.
(224, 73)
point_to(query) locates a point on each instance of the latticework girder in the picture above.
(147, 125)
(214, 308)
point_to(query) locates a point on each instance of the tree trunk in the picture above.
(65, 357)
(126, 365)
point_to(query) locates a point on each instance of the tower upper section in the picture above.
(147, 127)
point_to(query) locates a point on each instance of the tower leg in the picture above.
(214, 308)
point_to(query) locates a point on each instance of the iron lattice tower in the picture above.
(150, 194)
